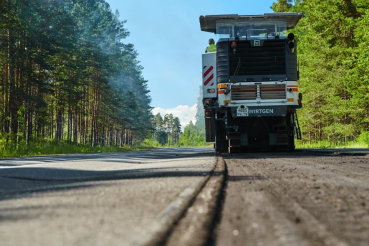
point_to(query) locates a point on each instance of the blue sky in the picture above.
(167, 36)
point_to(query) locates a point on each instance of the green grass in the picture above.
(324, 144)
(54, 148)
(45, 147)
(362, 141)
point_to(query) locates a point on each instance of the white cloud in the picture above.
(185, 113)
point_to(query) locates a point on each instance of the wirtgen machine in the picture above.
(250, 89)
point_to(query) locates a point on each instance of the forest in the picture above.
(68, 79)
(333, 53)
(67, 76)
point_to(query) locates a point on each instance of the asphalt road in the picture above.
(187, 197)
(98, 199)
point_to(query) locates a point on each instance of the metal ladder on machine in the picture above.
(296, 126)
(282, 137)
(233, 137)
(283, 134)
(234, 142)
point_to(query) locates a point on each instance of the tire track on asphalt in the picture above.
(197, 226)
(158, 232)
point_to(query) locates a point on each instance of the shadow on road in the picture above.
(126, 157)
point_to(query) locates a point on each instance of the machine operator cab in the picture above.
(252, 29)
(249, 27)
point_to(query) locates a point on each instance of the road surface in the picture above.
(186, 196)
(300, 198)
(98, 199)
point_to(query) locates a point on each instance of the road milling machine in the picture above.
(250, 89)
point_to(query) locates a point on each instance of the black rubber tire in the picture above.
(291, 139)
(291, 143)
(221, 144)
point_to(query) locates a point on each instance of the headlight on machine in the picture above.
(211, 90)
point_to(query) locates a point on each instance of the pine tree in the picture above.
(176, 130)
(69, 76)
(329, 39)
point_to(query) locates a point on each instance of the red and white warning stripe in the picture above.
(208, 75)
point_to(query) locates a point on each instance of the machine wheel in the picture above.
(220, 138)
(291, 143)
(291, 139)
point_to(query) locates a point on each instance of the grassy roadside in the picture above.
(362, 141)
(330, 145)
(53, 148)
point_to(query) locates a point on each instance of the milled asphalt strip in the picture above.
(311, 227)
(156, 232)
